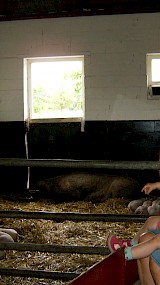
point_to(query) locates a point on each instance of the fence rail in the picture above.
(68, 163)
(101, 250)
(65, 276)
(73, 216)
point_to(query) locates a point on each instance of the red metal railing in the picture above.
(112, 270)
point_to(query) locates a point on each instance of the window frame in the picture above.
(28, 95)
(150, 83)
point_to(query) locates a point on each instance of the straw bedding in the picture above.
(63, 233)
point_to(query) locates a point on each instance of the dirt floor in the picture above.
(63, 233)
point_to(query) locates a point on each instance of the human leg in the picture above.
(147, 253)
(142, 252)
(151, 223)
(148, 243)
(143, 249)
(143, 264)
(155, 271)
(145, 276)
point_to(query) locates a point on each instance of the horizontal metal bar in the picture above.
(101, 250)
(68, 163)
(73, 216)
(39, 274)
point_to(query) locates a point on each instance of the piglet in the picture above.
(143, 210)
(133, 205)
(154, 209)
(4, 237)
(156, 202)
(13, 233)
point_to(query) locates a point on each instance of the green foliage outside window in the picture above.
(60, 100)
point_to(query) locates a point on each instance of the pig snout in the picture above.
(4, 237)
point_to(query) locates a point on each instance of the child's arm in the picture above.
(149, 187)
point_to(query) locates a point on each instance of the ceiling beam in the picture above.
(36, 9)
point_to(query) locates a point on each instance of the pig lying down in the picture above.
(7, 235)
(81, 186)
(14, 235)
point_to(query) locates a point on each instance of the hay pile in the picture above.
(63, 233)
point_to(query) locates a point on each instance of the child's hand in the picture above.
(149, 187)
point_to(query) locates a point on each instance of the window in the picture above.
(153, 75)
(54, 88)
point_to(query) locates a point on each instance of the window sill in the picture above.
(56, 120)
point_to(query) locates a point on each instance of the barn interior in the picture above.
(121, 122)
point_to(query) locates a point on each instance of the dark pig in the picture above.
(87, 187)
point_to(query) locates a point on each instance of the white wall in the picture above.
(114, 46)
